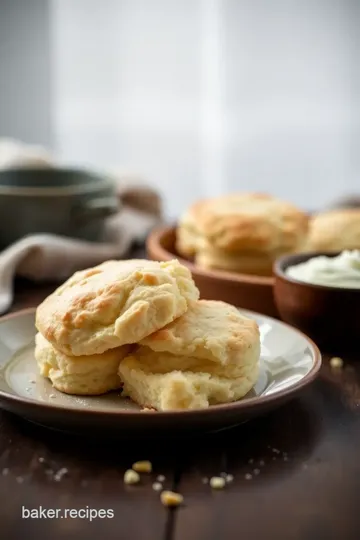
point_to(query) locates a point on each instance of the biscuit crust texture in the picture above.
(114, 304)
(335, 230)
(81, 375)
(219, 232)
(209, 355)
(188, 235)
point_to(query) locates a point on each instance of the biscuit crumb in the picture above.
(336, 362)
(41, 460)
(52, 396)
(161, 478)
(205, 480)
(142, 466)
(248, 476)
(157, 486)
(229, 478)
(256, 471)
(131, 477)
(5, 471)
(217, 482)
(61, 472)
(170, 498)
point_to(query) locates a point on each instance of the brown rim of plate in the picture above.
(154, 244)
(251, 403)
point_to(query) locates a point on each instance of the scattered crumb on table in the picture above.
(170, 498)
(217, 482)
(336, 362)
(142, 466)
(131, 477)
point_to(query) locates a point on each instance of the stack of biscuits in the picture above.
(243, 232)
(139, 325)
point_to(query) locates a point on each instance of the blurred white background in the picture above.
(199, 97)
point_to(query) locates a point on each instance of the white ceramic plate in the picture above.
(289, 362)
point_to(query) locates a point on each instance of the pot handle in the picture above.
(97, 209)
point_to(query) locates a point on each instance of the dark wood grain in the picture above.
(307, 488)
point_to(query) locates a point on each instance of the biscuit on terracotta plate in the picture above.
(209, 355)
(114, 304)
(241, 232)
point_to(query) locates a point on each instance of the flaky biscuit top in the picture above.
(246, 222)
(113, 304)
(210, 330)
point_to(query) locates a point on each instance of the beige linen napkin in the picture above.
(45, 257)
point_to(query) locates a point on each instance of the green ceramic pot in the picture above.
(65, 202)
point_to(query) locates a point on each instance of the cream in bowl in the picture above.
(319, 293)
(342, 270)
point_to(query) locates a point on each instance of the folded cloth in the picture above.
(46, 257)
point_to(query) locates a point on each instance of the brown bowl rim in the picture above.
(285, 261)
(154, 241)
(252, 403)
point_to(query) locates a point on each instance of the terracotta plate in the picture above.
(289, 361)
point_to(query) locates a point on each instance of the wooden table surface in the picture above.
(304, 462)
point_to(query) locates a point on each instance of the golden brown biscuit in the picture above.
(188, 237)
(113, 304)
(221, 230)
(81, 375)
(335, 230)
(212, 346)
(210, 334)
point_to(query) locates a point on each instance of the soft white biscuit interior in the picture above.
(209, 355)
(179, 390)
